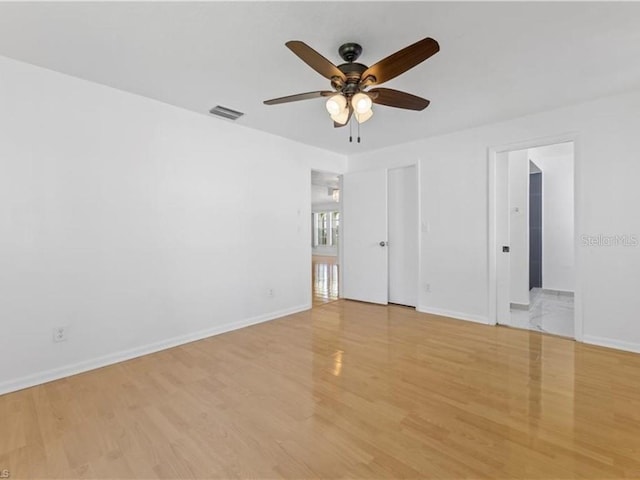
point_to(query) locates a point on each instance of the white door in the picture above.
(403, 236)
(503, 302)
(364, 236)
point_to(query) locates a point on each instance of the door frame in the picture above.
(339, 209)
(492, 153)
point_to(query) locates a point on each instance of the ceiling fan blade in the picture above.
(398, 99)
(316, 61)
(401, 61)
(299, 96)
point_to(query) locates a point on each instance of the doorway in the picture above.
(381, 238)
(535, 233)
(325, 236)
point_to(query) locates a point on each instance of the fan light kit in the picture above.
(360, 103)
(350, 81)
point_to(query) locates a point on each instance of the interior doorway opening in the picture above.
(326, 213)
(535, 230)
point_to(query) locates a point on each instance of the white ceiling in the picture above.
(322, 184)
(325, 179)
(320, 197)
(497, 60)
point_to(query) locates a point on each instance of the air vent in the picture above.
(225, 112)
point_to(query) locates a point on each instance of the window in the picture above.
(335, 227)
(326, 226)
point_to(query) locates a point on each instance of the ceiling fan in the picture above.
(351, 80)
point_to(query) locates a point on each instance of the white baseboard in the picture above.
(454, 315)
(561, 293)
(121, 356)
(612, 343)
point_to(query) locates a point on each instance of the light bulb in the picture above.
(363, 117)
(336, 104)
(341, 117)
(361, 103)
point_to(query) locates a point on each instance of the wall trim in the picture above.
(612, 343)
(453, 315)
(123, 355)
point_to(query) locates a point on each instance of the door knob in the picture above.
(383, 244)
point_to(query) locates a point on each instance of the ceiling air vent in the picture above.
(225, 112)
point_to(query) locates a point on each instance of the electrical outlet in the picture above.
(271, 293)
(427, 287)
(60, 334)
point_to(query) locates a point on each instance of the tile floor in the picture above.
(548, 312)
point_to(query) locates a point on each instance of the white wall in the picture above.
(454, 205)
(558, 245)
(137, 224)
(519, 226)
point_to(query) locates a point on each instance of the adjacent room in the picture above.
(325, 236)
(319, 240)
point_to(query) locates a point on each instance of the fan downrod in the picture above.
(350, 52)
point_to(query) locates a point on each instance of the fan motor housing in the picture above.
(353, 72)
(352, 69)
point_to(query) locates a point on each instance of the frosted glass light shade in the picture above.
(341, 117)
(336, 104)
(361, 103)
(363, 117)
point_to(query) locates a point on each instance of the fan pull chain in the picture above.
(358, 132)
(350, 131)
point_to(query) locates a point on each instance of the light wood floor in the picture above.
(346, 390)
(324, 281)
